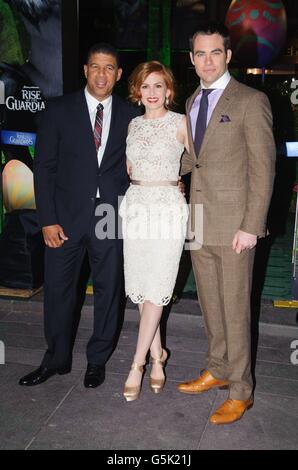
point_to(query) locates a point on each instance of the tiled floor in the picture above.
(62, 414)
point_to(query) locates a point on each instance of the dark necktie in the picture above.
(98, 126)
(201, 123)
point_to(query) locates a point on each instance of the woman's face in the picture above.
(154, 91)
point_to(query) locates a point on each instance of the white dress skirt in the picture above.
(154, 212)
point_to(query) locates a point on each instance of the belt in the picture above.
(154, 183)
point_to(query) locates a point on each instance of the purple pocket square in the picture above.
(225, 118)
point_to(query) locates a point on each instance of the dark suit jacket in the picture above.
(66, 172)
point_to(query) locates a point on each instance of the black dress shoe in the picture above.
(95, 376)
(42, 374)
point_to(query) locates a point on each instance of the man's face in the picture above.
(209, 57)
(101, 73)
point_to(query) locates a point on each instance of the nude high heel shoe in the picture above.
(132, 393)
(157, 385)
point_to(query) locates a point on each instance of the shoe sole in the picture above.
(88, 385)
(222, 387)
(156, 390)
(59, 372)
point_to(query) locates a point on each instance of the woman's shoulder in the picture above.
(135, 124)
(177, 118)
(174, 113)
(136, 120)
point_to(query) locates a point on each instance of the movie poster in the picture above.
(30, 72)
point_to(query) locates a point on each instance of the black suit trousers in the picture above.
(62, 271)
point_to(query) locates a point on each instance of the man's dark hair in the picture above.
(212, 28)
(103, 48)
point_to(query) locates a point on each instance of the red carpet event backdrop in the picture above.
(30, 47)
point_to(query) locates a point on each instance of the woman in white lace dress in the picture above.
(154, 214)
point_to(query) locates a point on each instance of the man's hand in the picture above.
(181, 186)
(243, 241)
(53, 236)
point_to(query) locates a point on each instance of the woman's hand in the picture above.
(128, 168)
(181, 186)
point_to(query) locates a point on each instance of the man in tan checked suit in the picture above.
(232, 173)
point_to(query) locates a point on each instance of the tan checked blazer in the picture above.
(234, 172)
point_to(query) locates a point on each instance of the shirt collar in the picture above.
(221, 83)
(93, 102)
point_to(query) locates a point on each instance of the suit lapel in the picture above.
(111, 132)
(189, 105)
(84, 125)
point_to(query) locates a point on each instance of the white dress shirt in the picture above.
(92, 104)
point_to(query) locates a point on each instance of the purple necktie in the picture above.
(201, 123)
(98, 126)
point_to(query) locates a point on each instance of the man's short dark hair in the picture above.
(212, 28)
(103, 48)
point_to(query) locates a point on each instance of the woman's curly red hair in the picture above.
(142, 71)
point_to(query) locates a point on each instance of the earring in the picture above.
(167, 101)
(139, 103)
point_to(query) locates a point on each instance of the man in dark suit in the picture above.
(80, 166)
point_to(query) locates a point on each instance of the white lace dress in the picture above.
(154, 218)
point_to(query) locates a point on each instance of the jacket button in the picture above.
(198, 165)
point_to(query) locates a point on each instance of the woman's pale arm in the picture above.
(182, 133)
(182, 136)
(128, 167)
(128, 163)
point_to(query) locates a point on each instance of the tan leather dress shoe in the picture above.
(230, 411)
(203, 383)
